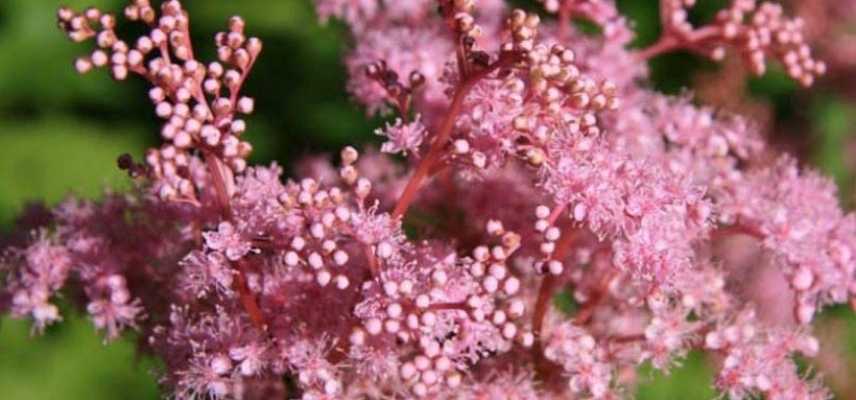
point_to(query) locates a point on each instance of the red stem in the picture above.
(213, 163)
(665, 44)
(544, 367)
(449, 306)
(737, 229)
(248, 300)
(442, 137)
(372, 260)
(564, 19)
(670, 41)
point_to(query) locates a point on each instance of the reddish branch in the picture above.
(219, 182)
(672, 41)
(248, 300)
(444, 132)
(737, 229)
(544, 367)
(564, 19)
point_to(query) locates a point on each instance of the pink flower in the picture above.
(537, 161)
(227, 240)
(403, 137)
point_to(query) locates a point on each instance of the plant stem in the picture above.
(543, 367)
(671, 41)
(213, 163)
(443, 134)
(665, 44)
(248, 300)
(564, 19)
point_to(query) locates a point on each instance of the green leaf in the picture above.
(835, 126)
(46, 160)
(693, 379)
(70, 362)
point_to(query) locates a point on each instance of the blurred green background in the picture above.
(60, 133)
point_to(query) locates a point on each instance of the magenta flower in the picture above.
(537, 160)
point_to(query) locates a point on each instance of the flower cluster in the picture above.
(199, 102)
(757, 29)
(538, 162)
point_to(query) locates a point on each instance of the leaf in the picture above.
(48, 159)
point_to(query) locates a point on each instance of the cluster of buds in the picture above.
(461, 150)
(409, 312)
(764, 31)
(524, 30)
(111, 53)
(348, 171)
(675, 15)
(489, 265)
(201, 117)
(400, 94)
(317, 252)
(426, 373)
(560, 86)
(460, 12)
(759, 30)
(551, 233)
(420, 312)
(316, 375)
(578, 353)
(757, 359)
(459, 16)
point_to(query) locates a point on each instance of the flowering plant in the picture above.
(526, 158)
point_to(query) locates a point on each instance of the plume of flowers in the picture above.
(544, 165)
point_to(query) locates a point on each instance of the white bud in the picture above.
(342, 282)
(384, 250)
(390, 288)
(509, 330)
(491, 284)
(373, 326)
(340, 257)
(394, 310)
(392, 326)
(221, 365)
(429, 319)
(555, 267)
(245, 105)
(802, 279)
(461, 146)
(552, 234)
(422, 301)
(511, 286)
(439, 277)
(407, 371)
(494, 227)
(323, 278)
(315, 260)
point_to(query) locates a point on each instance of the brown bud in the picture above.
(416, 79)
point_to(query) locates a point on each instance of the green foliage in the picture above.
(564, 302)
(70, 362)
(35, 72)
(835, 125)
(693, 379)
(48, 159)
